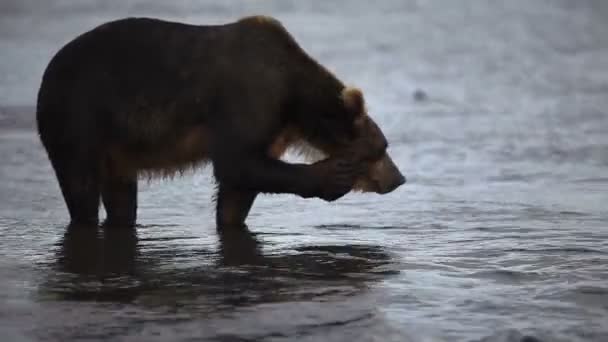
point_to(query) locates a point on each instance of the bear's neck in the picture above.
(318, 93)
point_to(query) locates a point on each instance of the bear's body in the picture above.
(143, 95)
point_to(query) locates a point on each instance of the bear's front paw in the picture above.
(335, 177)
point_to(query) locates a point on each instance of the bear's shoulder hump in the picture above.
(261, 20)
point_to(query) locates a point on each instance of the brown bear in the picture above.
(146, 96)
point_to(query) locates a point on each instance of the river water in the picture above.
(495, 112)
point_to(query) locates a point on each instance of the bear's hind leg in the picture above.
(119, 196)
(79, 182)
(233, 207)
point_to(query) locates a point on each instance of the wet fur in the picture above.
(146, 98)
(187, 152)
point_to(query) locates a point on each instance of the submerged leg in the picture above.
(79, 182)
(233, 206)
(119, 195)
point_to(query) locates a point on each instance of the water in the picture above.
(501, 232)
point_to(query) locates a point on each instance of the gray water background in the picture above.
(500, 232)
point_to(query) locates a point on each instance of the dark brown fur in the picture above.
(149, 97)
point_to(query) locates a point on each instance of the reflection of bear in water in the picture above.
(145, 96)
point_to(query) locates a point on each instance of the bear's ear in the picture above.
(353, 100)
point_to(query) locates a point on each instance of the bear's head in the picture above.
(382, 175)
(347, 130)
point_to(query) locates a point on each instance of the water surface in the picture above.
(501, 232)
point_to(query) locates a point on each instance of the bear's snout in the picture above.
(386, 175)
(382, 177)
(397, 181)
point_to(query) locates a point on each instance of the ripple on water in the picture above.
(557, 250)
(505, 276)
(512, 336)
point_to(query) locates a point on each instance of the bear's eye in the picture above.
(377, 154)
(382, 150)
